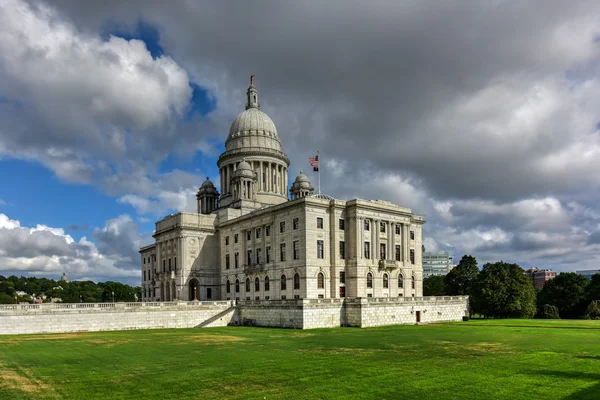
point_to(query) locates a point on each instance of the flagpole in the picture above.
(319, 172)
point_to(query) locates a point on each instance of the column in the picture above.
(359, 244)
(260, 178)
(390, 245)
(393, 238)
(377, 234)
(405, 255)
(264, 244)
(373, 239)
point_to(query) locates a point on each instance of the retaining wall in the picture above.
(298, 314)
(54, 318)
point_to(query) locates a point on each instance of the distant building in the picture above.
(588, 272)
(436, 263)
(64, 278)
(539, 277)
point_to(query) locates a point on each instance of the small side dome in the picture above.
(301, 187)
(244, 170)
(208, 188)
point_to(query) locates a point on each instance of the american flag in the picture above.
(314, 162)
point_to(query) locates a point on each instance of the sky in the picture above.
(482, 116)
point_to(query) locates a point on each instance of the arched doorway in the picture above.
(193, 289)
(167, 292)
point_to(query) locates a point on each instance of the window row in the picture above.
(386, 281)
(382, 228)
(383, 252)
(267, 283)
(150, 258)
(172, 267)
(295, 226)
(282, 254)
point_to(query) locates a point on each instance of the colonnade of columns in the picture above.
(272, 177)
(390, 248)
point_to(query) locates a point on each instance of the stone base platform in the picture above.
(298, 314)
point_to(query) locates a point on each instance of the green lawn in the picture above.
(494, 359)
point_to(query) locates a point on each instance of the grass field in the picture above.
(494, 359)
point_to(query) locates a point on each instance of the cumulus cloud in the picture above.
(48, 251)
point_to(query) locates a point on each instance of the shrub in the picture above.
(465, 318)
(548, 311)
(593, 310)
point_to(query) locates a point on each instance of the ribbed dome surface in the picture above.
(252, 122)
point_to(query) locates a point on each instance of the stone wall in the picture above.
(367, 312)
(54, 318)
(298, 314)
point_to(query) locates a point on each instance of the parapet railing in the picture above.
(297, 302)
(121, 306)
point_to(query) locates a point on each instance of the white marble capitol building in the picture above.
(260, 239)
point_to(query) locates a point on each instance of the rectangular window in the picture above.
(412, 256)
(342, 277)
(169, 264)
(144, 274)
(258, 251)
(282, 252)
(398, 252)
(249, 258)
(320, 249)
(382, 253)
(258, 230)
(175, 263)
(268, 230)
(319, 223)
(296, 250)
(412, 235)
(366, 224)
(382, 227)
(226, 240)
(237, 260)
(235, 238)
(397, 229)
(342, 224)
(367, 250)
(144, 260)
(268, 254)
(342, 250)
(249, 235)
(295, 223)
(282, 227)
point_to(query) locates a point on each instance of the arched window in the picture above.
(257, 284)
(400, 282)
(369, 281)
(320, 281)
(228, 286)
(283, 282)
(267, 284)
(297, 281)
(413, 282)
(386, 283)
(237, 285)
(247, 284)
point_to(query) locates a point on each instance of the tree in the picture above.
(460, 279)
(567, 292)
(593, 310)
(433, 285)
(503, 291)
(593, 288)
(548, 311)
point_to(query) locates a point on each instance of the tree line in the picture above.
(13, 287)
(502, 290)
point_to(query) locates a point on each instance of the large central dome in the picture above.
(253, 152)
(252, 122)
(253, 128)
